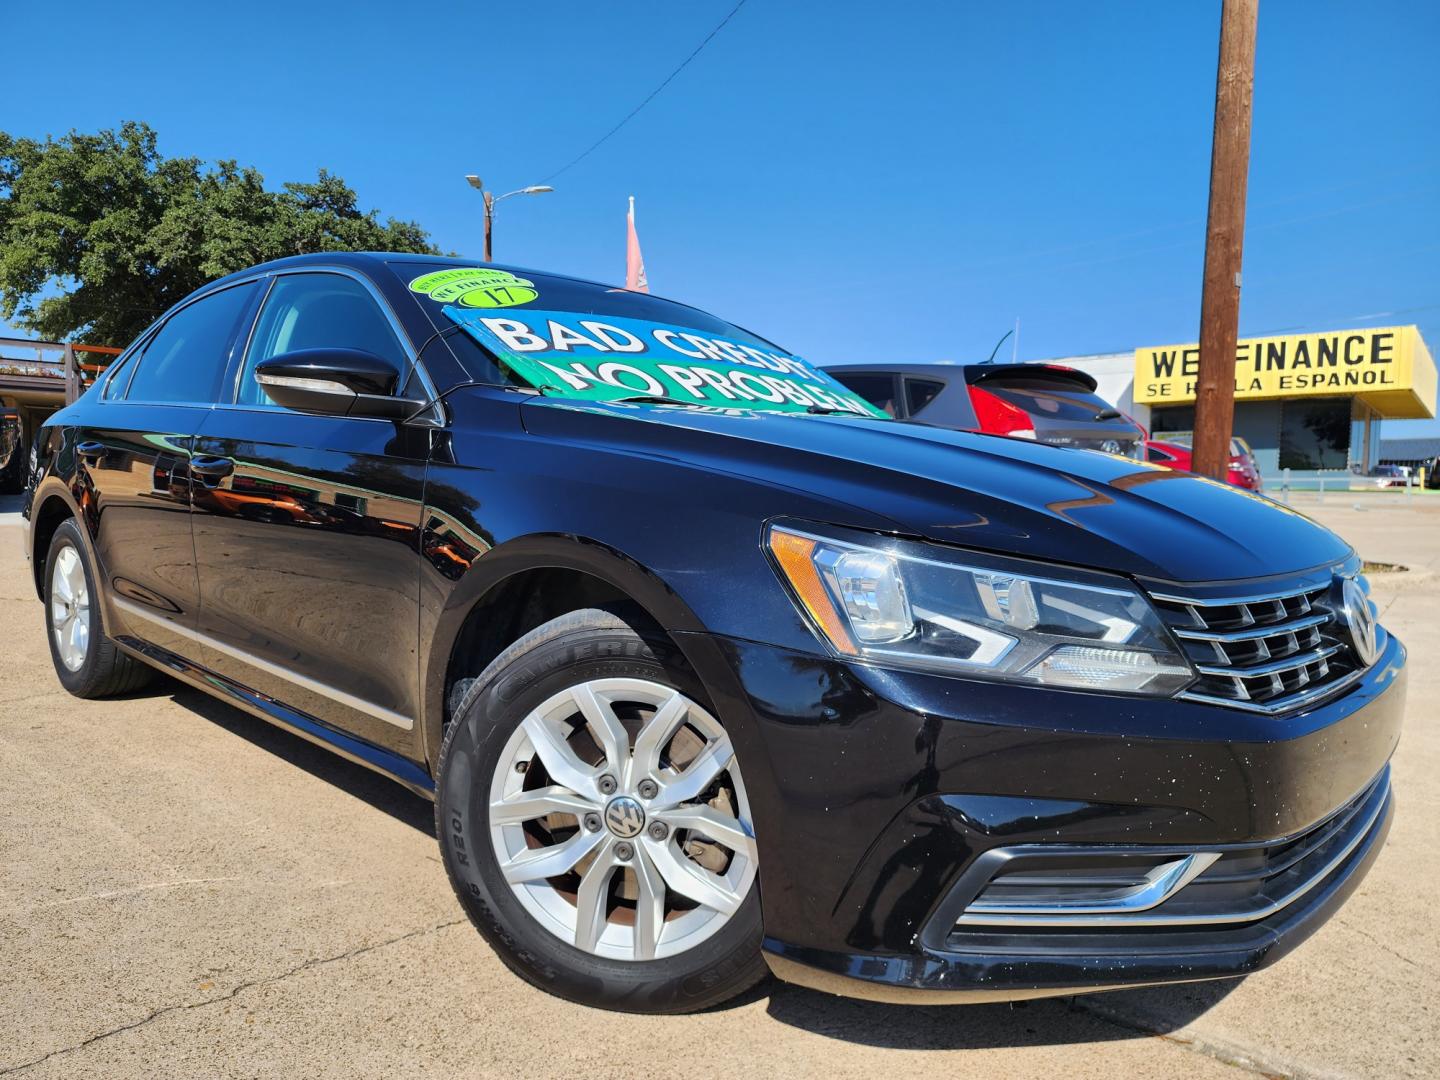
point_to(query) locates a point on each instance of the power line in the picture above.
(631, 114)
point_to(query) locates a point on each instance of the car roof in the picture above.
(377, 261)
(969, 372)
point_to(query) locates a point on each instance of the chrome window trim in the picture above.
(379, 712)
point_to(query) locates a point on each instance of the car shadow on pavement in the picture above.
(1126, 1014)
(367, 786)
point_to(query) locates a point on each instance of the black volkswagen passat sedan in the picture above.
(708, 666)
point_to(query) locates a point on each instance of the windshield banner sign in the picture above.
(603, 358)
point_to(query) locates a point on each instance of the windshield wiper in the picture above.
(832, 410)
(657, 399)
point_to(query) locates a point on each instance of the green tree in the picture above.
(100, 233)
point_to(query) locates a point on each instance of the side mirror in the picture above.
(336, 382)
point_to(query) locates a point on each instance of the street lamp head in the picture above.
(473, 180)
(538, 189)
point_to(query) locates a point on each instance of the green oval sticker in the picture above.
(475, 286)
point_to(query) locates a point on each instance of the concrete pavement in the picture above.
(186, 891)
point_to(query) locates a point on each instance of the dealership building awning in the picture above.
(1388, 368)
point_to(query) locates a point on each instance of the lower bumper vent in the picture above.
(1050, 885)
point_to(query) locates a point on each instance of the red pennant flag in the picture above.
(634, 261)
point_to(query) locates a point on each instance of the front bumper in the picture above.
(876, 792)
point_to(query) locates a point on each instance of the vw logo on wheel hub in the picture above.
(1358, 618)
(625, 817)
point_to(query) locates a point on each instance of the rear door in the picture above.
(134, 449)
(307, 527)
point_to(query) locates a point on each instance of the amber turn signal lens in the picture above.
(793, 553)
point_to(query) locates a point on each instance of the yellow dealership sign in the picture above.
(1389, 367)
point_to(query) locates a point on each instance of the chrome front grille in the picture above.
(1268, 652)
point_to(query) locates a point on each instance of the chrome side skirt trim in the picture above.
(405, 723)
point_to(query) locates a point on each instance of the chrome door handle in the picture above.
(90, 451)
(212, 468)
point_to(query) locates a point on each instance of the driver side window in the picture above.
(312, 311)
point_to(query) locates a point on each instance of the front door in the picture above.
(307, 528)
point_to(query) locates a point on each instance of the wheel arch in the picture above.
(52, 505)
(522, 584)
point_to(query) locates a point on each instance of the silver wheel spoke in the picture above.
(533, 864)
(559, 760)
(720, 827)
(691, 879)
(591, 899)
(75, 575)
(649, 906)
(699, 775)
(654, 736)
(529, 805)
(61, 584)
(605, 726)
(79, 637)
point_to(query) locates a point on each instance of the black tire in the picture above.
(106, 670)
(577, 647)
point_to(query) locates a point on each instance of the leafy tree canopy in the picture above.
(99, 233)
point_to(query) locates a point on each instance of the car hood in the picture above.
(978, 491)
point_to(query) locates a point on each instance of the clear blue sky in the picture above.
(851, 179)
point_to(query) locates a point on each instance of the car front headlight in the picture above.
(916, 605)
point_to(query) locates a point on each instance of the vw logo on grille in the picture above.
(1358, 618)
(625, 817)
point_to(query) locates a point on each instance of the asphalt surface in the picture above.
(187, 891)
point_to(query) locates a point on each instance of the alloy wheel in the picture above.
(70, 609)
(619, 819)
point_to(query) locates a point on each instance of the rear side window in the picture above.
(1154, 453)
(185, 358)
(312, 311)
(919, 393)
(879, 390)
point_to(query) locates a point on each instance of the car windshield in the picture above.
(577, 339)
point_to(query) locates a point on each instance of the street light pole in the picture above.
(1224, 240)
(490, 199)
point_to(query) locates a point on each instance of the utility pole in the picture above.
(1224, 239)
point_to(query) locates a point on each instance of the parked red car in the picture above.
(1176, 455)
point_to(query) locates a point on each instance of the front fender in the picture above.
(535, 552)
